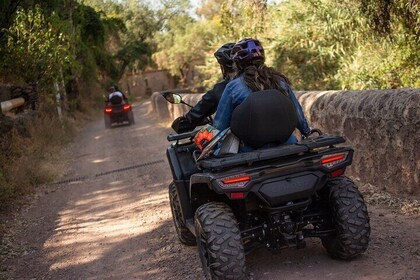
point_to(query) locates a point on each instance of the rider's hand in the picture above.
(181, 125)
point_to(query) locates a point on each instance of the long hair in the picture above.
(258, 76)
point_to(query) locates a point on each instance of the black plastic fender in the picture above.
(181, 185)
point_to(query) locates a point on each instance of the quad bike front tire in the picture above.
(350, 219)
(184, 234)
(107, 120)
(219, 242)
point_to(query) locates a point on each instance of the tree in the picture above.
(210, 9)
(173, 52)
(243, 18)
(310, 37)
(129, 28)
(36, 47)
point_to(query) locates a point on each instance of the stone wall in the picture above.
(383, 126)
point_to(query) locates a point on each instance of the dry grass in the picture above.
(404, 205)
(32, 159)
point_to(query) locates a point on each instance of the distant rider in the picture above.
(115, 97)
(208, 104)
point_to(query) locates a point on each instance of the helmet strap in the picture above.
(227, 72)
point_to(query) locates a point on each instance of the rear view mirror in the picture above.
(172, 97)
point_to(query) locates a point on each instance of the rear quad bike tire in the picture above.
(184, 234)
(350, 219)
(219, 242)
(107, 120)
(131, 118)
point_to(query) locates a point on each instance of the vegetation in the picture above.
(320, 44)
(32, 159)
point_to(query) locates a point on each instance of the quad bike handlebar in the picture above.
(180, 136)
(313, 130)
(181, 125)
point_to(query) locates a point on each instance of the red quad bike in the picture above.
(118, 113)
(270, 198)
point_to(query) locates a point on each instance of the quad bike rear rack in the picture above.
(229, 161)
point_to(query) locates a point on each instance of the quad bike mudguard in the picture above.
(182, 166)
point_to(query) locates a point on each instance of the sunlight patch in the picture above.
(143, 127)
(99, 223)
(100, 160)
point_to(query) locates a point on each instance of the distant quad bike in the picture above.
(118, 111)
(274, 198)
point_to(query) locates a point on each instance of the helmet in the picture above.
(223, 55)
(246, 50)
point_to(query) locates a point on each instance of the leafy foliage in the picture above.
(309, 46)
(319, 44)
(35, 48)
(184, 46)
(129, 27)
(243, 18)
(96, 40)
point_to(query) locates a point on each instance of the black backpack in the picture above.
(116, 100)
(265, 117)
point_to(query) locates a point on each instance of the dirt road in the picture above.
(110, 219)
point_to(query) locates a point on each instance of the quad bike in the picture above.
(118, 112)
(273, 198)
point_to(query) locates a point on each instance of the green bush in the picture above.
(318, 44)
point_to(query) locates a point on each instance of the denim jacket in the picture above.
(236, 92)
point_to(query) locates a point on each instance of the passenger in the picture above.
(208, 104)
(115, 97)
(254, 75)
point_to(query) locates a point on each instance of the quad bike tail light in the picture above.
(338, 172)
(237, 195)
(126, 107)
(238, 181)
(332, 160)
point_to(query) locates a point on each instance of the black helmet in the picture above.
(247, 50)
(223, 55)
